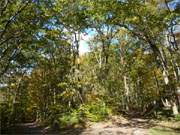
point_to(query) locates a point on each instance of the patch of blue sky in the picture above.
(90, 31)
(89, 34)
(176, 28)
(173, 4)
(84, 47)
(3, 85)
(52, 24)
(85, 38)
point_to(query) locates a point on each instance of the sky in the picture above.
(174, 3)
(84, 46)
(84, 43)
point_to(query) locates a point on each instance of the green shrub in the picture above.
(177, 117)
(69, 119)
(5, 115)
(94, 111)
(86, 112)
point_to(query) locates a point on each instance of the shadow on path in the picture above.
(26, 129)
(35, 129)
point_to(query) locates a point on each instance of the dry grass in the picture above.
(166, 128)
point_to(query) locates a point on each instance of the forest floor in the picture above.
(114, 126)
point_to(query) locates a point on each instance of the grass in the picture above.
(166, 127)
(163, 131)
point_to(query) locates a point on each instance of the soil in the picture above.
(114, 126)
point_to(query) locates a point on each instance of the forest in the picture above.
(70, 66)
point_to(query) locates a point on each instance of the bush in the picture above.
(93, 112)
(69, 119)
(5, 115)
(177, 117)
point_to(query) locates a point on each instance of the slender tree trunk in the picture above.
(175, 108)
(54, 96)
(126, 87)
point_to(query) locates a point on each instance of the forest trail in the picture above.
(26, 129)
(116, 126)
(110, 127)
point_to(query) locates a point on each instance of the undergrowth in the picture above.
(93, 112)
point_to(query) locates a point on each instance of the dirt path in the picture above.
(116, 126)
(27, 129)
(133, 127)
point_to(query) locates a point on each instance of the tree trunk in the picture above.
(54, 96)
(126, 87)
(175, 109)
